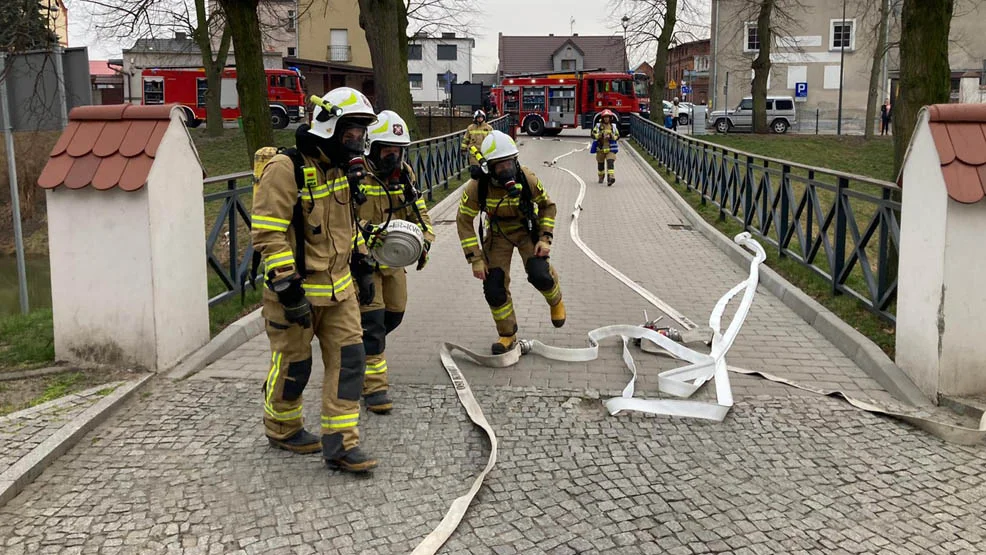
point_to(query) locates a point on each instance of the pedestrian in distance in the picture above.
(605, 135)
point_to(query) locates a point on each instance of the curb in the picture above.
(56, 403)
(36, 373)
(236, 334)
(856, 346)
(23, 472)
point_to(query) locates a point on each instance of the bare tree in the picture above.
(251, 79)
(876, 69)
(653, 26)
(924, 69)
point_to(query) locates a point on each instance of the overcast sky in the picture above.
(512, 17)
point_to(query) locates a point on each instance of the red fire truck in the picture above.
(544, 105)
(187, 86)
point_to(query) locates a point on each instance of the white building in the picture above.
(430, 58)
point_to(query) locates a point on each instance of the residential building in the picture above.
(329, 31)
(279, 25)
(56, 15)
(646, 69)
(688, 70)
(547, 54)
(431, 59)
(810, 50)
(485, 79)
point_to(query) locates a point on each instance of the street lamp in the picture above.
(626, 23)
(842, 64)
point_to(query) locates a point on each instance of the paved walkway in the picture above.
(186, 469)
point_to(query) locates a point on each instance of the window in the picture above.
(831, 80)
(448, 52)
(843, 34)
(284, 81)
(414, 52)
(752, 38)
(785, 104)
(290, 24)
(201, 86)
(291, 51)
(416, 80)
(153, 90)
(441, 79)
(568, 65)
(339, 49)
(745, 104)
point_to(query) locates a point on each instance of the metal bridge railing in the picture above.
(843, 227)
(229, 250)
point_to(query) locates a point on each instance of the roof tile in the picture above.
(519, 54)
(84, 139)
(968, 142)
(107, 146)
(135, 174)
(959, 133)
(137, 137)
(82, 171)
(156, 137)
(65, 139)
(55, 171)
(111, 138)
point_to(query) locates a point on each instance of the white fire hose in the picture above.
(399, 245)
(680, 382)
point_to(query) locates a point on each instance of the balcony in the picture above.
(337, 53)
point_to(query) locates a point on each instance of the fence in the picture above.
(810, 215)
(435, 162)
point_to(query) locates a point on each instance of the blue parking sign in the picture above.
(801, 90)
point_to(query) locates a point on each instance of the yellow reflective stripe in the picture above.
(272, 377)
(479, 132)
(316, 193)
(268, 222)
(341, 421)
(553, 293)
(375, 191)
(468, 211)
(324, 290)
(278, 260)
(376, 368)
(339, 184)
(339, 282)
(420, 203)
(470, 242)
(358, 239)
(548, 221)
(503, 312)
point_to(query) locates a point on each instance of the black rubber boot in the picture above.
(379, 402)
(353, 460)
(301, 442)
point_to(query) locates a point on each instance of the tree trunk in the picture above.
(876, 69)
(761, 68)
(925, 76)
(213, 67)
(385, 25)
(661, 62)
(251, 81)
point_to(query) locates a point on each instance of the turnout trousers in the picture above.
(337, 328)
(381, 317)
(499, 251)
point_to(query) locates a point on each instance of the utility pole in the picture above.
(15, 204)
(842, 64)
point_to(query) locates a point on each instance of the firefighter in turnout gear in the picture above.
(477, 131)
(391, 193)
(605, 134)
(517, 214)
(304, 229)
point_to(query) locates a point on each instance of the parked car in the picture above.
(781, 115)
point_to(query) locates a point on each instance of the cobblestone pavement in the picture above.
(22, 431)
(184, 468)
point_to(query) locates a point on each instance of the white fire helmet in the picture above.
(497, 146)
(343, 102)
(390, 129)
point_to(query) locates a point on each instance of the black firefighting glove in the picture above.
(424, 256)
(355, 172)
(297, 308)
(362, 273)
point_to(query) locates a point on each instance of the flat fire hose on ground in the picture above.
(680, 382)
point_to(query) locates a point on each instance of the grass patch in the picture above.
(227, 153)
(60, 386)
(106, 391)
(869, 158)
(27, 340)
(843, 306)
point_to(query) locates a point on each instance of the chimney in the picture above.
(180, 35)
(551, 34)
(575, 34)
(448, 35)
